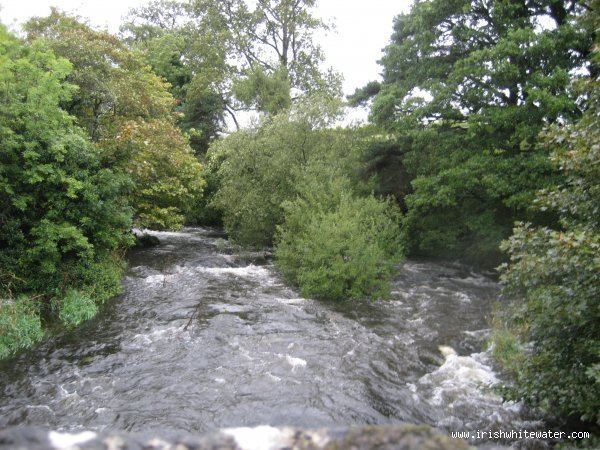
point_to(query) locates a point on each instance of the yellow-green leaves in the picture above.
(166, 175)
(20, 325)
(128, 110)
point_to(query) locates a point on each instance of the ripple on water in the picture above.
(257, 353)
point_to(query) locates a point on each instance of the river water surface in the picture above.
(256, 353)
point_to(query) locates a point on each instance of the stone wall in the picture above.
(394, 437)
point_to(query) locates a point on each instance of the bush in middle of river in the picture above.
(336, 245)
(292, 182)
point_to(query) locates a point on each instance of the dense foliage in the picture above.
(336, 245)
(260, 168)
(127, 109)
(90, 147)
(188, 46)
(467, 87)
(475, 97)
(288, 182)
(164, 170)
(555, 275)
(62, 217)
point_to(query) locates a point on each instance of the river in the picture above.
(256, 353)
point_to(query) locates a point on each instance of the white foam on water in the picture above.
(247, 271)
(404, 339)
(140, 340)
(159, 278)
(295, 362)
(67, 394)
(461, 377)
(163, 233)
(404, 294)
(351, 352)
(412, 267)
(263, 437)
(39, 407)
(273, 377)
(291, 301)
(463, 297)
(63, 441)
(447, 351)
(476, 280)
(228, 308)
(478, 334)
(220, 380)
(246, 354)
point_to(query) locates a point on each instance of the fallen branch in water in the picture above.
(191, 317)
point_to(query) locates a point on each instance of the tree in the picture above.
(553, 325)
(259, 168)
(223, 57)
(467, 87)
(63, 222)
(114, 84)
(292, 181)
(276, 38)
(190, 49)
(164, 170)
(128, 110)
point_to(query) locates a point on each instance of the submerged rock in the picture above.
(392, 437)
(146, 240)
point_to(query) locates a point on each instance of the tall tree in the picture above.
(467, 87)
(128, 111)
(190, 49)
(549, 337)
(223, 56)
(114, 84)
(276, 37)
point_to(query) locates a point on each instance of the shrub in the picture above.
(75, 307)
(554, 276)
(288, 181)
(334, 245)
(20, 325)
(100, 279)
(204, 212)
(257, 175)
